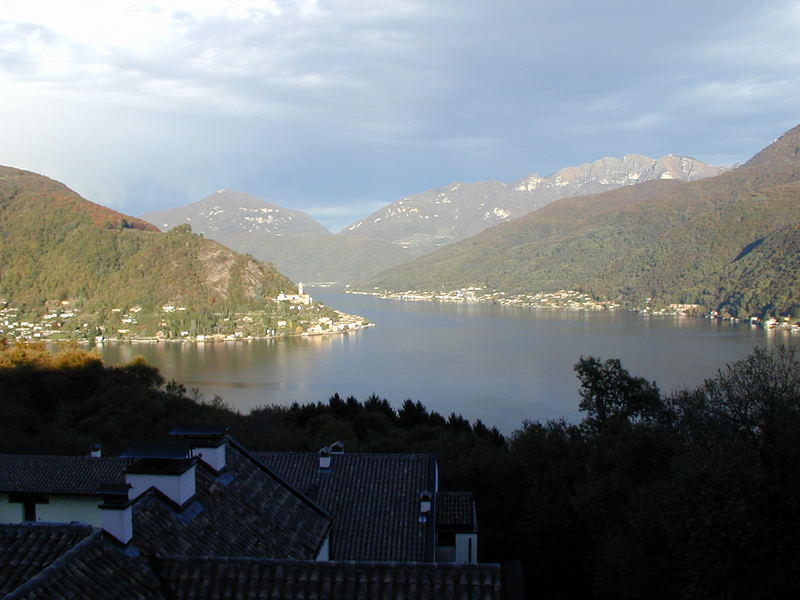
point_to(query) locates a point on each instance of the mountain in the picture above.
(303, 249)
(320, 257)
(226, 213)
(424, 222)
(729, 242)
(57, 248)
(297, 244)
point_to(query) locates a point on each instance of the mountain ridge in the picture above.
(432, 219)
(226, 212)
(672, 241)
(409, 227)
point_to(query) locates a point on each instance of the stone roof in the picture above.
(224, 578)
(70, 562)
(247, 533)
(455, 511)
(373, 498)
(67, 475)
(77, 562)
(245, 511)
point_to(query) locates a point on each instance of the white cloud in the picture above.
(146, 103)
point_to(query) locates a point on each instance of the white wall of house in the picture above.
(466, 548)
(66, 509)
(178, 488)
(213, 457)
(119, 523)
(59, 509)
(10, 512)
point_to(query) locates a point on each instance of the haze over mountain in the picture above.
(297, 244)
(315, 257)
(225, 213)
(424, 222)
(730, 242)
(410, 227)
(56, 246)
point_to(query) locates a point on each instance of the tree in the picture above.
(759, 394)
(741, 433)
(610, 394)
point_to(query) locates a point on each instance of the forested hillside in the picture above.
(696, 242)
(55, 246)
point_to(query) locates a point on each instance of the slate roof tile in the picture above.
(26, 550)
(69, 475)
(455, 511)
(246, 511)
(373, 498)
(228, 578)
(70, 562)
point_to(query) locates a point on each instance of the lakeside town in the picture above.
(287, 315)
(563, 299)
(569, 300)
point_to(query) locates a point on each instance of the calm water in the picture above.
(498, 364)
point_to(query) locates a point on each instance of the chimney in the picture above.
(166, 466)
(325, 459)
(96, 451)
(206, 441)
(116, 515)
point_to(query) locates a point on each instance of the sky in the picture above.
(339, 107)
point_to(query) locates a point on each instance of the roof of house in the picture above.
(223, 578)
(373, 498)
(68, 475)
(244, 511)
(455, 511)
(77, 562)
(70, 562)
(247, 510)
(250, 531)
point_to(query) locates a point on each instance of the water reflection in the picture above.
(498, 364)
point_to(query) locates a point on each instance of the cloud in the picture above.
(150, 105)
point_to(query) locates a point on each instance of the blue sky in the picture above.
(339, 107)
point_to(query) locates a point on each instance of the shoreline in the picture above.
(207, 339)
(574, 301)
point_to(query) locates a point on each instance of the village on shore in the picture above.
(569, 300)
(289, 315)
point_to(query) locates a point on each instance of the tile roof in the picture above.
(455, 511)
(26, 550)
(373, 498)
(69, 475)
(76, 562)
(245, 511)
(227, 578)
(70, 562)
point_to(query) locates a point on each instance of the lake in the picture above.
(499, 364)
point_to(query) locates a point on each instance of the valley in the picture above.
(410, 227)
